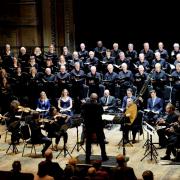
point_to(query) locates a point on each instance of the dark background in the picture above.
(126, 21)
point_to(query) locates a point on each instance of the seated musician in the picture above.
(108, 102)
(13, 122)
(65, 103)
(57, 126)
(109, 78)
(129, 94)
(166, 122)
(43, 104)
(154, 107)
(36, 135)
(173, 141)
(128, 119)
(176, 84)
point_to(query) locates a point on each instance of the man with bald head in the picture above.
(92, 114)
(54, 169)
(122, 171)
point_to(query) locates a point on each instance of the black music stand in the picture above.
(150, 148)
(122, 141)
(66, 152)
(78, 145)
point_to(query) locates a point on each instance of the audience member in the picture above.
(148, 175)
(54, 169)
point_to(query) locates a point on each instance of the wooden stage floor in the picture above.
(162, 170)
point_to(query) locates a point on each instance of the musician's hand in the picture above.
(161, 121)
(127, 115)
(141, 99)
(105, 107)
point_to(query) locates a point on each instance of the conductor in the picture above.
(92, 114)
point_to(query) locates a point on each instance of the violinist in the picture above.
(166, 122)
(57, 126)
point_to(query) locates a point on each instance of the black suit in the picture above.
(92, 114)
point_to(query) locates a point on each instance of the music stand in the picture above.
(122, 139)
(66, 152)
(78, 145)
(150, 148)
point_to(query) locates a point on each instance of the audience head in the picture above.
(48, 155)
(16, 166)
(147, 175)
(121, 159)
(42, 169)
(91, 171)
(72, 161)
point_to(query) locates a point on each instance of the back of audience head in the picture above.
(42, 169)
(72, 161)
(121, 159)
(16, 166)
(147, 175)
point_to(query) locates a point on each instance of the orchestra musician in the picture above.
(129, 94)
(108, 102)
(57, 126)
(173, 141)
(165, 122)
(154, 107)
(36, 135)
(130, 115)
(13, 121)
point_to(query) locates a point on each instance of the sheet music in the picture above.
(172, 66)
(108, 117)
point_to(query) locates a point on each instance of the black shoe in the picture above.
(106, 142)
(105, 158)
(161, 147)
(166, 157)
